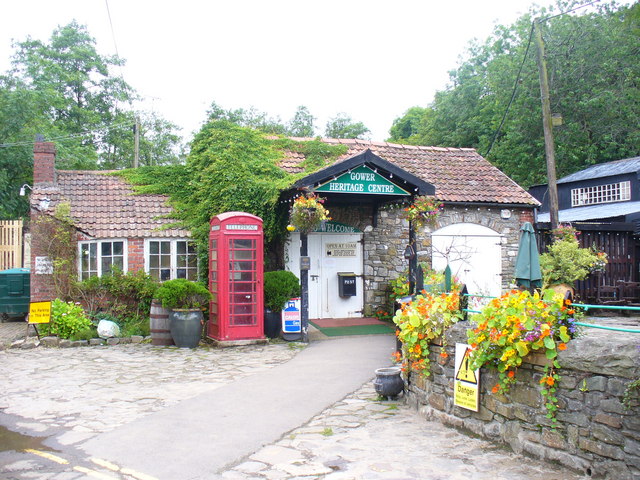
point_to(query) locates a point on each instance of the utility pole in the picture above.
(136, 143)
(547, 124)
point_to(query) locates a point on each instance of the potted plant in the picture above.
(565, 261)
(186, 300)
(308, 212)
(423, 211)
(279, 287)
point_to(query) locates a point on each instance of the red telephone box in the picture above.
(236, 277)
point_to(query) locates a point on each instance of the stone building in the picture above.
(366, 188)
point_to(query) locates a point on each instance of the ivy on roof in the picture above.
(231, 168)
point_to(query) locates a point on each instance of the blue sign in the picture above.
(291, 317)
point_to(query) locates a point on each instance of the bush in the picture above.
(67, 320)
(124, 298)
(565, 262)
(279, 287)
(182, 293)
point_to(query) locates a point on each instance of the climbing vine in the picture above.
(55, 237)
(231, 168)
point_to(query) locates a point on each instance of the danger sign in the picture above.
(466, 382)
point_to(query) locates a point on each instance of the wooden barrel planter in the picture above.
(159, 324)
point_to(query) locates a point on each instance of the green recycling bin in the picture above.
(15, 292)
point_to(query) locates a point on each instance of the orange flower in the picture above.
(511, 374)
(562, 346)
(550, 381)
(495, 388)
(444, 354)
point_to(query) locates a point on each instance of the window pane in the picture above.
(192, 275)
(106, 266)
(165, 261)
(118, 262)
(118, 248)
(244, 254)
(165, 274)
(181, 247)
(191, 248)
(181, 273)
(165, 248)
(154, 248)
(243, 243)
(106, 249)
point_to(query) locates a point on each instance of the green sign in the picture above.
(361, 180)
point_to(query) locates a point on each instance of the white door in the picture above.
(474, 253)
(330, 254)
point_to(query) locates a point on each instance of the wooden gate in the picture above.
(10, 244)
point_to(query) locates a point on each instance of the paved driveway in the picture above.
(254, 412)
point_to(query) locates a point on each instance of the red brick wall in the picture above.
(44, 159)
(136, 254)
(526, 216)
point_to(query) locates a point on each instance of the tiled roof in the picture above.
(105, 206)
(459, 174)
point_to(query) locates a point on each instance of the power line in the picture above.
(515, 86)
(68, 137)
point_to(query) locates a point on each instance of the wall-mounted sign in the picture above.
(361, 180)
(241, 227)
(341, 249)
(466, 382)
(336, 227)
(39, 312)
(43, 266)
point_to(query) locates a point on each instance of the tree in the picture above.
(251, 118)
(593, 72)
(342, 126)
(301, 125)
(66, 91)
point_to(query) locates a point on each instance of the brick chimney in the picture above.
(44, 161)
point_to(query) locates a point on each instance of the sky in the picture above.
(369, 59)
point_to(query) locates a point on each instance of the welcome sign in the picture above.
(361, 180)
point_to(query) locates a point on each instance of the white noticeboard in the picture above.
(43, 266)
(466, 382)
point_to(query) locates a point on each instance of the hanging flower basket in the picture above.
(423, 211)
(308, 212)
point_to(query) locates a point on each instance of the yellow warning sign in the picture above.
(466, 393)
(39, 312)
(464, 372)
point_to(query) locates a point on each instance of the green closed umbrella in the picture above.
(528, 272)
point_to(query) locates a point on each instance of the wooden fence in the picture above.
(10, 244)
(621, 245)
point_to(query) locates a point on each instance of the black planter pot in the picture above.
(388, 382)
(272, 323)
(186, 327)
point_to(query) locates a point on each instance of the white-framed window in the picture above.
(612, 192)
(99, 257)
(166, 259)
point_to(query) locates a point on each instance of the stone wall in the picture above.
(384, 245)
(595, 435)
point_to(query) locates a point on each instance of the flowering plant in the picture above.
(600, 262)
(512, 326)
(422, 320)
(565, 261)
(307, 212)
(423, 211)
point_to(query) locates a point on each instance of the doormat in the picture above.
(336, 327)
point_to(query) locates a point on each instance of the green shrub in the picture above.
(182, 293)
(85, 334)
(120, 297)
(67, 319)
(565, 262)
(279, 286)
